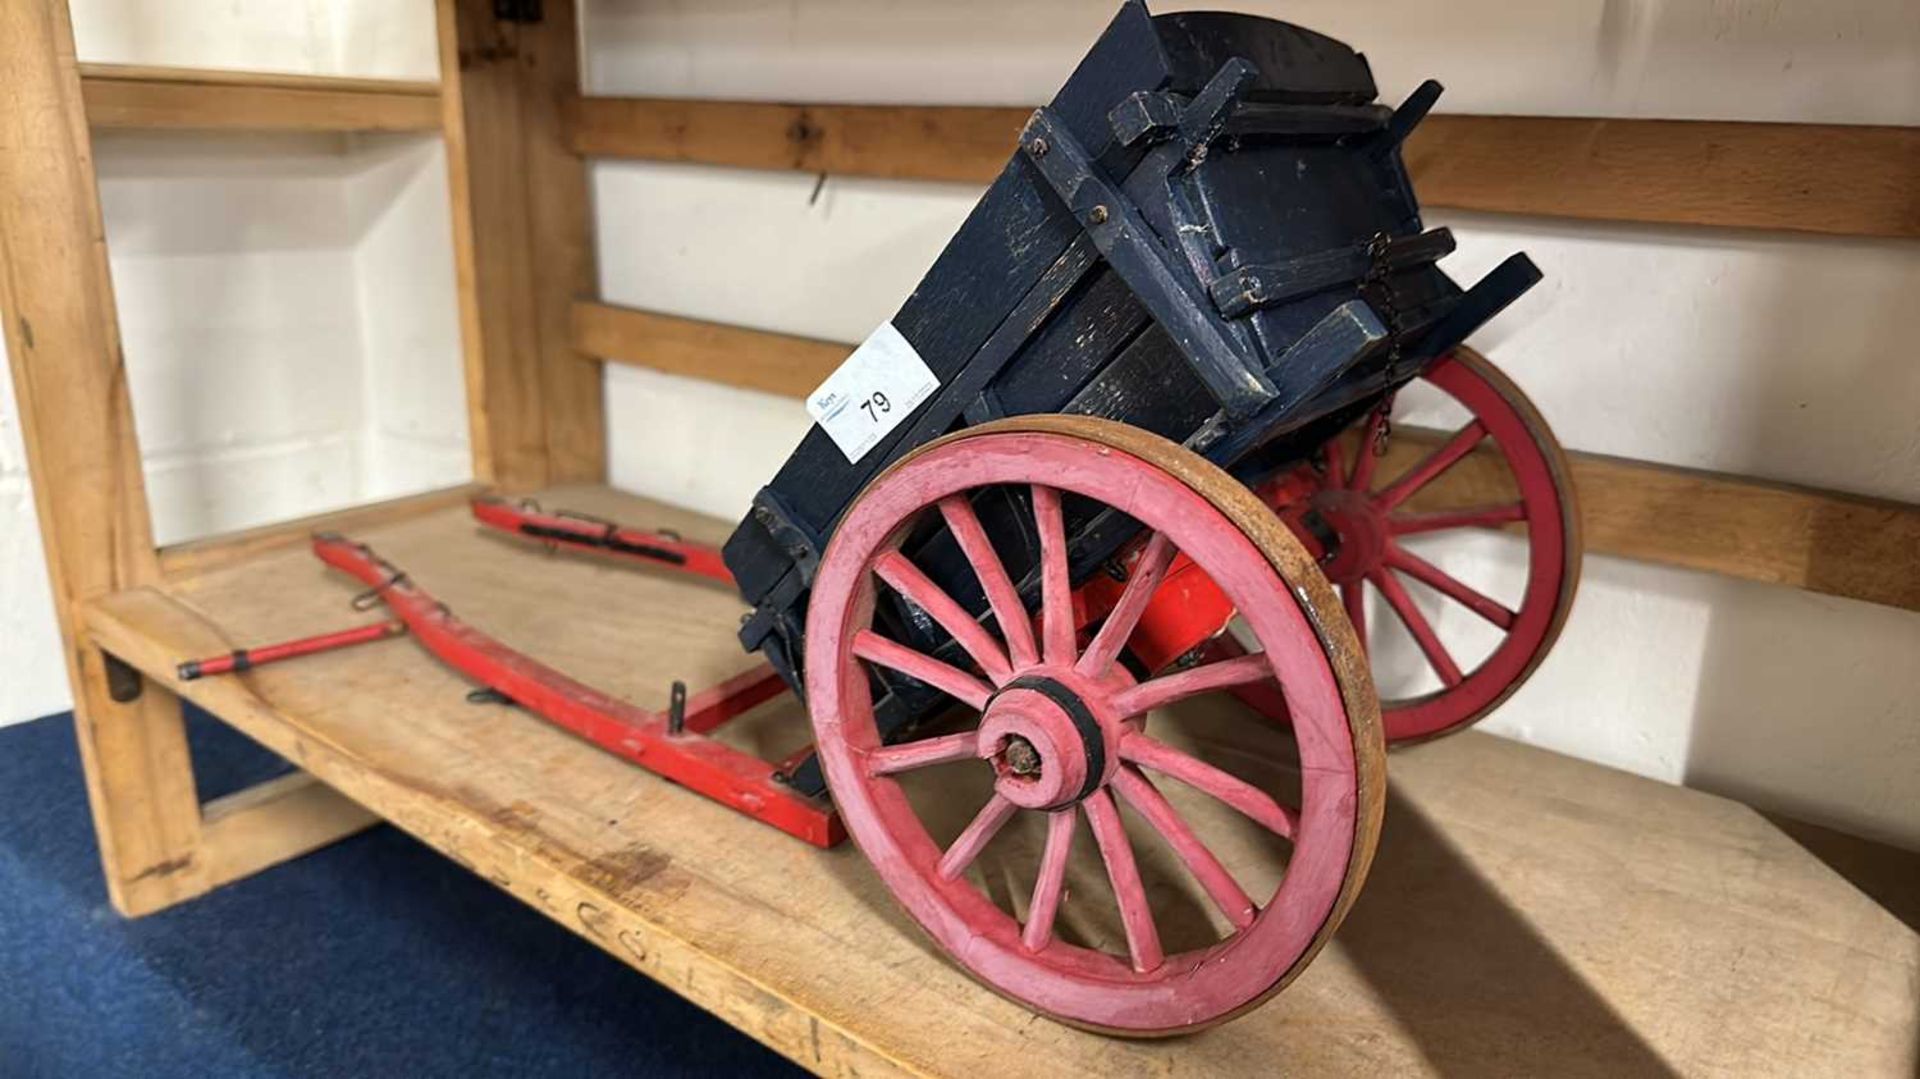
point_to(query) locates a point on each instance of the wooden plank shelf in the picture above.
(203, 99)
(1527, 913)
(1838, 179)
(1823, 541)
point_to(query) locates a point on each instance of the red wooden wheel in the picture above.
(1054, 731)
(1524, 482)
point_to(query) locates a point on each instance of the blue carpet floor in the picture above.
(374, 957)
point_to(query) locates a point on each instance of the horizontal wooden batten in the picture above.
(1823, 541)
(903, 142)
(1836, 179)
(125, 96)
(272, 822)
(1822, 178)
(731, 355)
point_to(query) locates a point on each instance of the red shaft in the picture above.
(241, 659)
(653, 740)
(581, 533)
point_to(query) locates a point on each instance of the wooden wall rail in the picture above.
(1823, 541)
(1823, 178)
(128, 96)
(902, 142)
(731, 355)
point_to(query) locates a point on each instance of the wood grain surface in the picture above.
(69, 377)
(1826, 178)
(521, 249)
(137, 96)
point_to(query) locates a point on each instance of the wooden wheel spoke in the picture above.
(1148, 571)
(905, 757)
(1437, 655)
(1365, 460)
(1353, 596)
(1136, 914)
(944, 677)
(1142, 795)
(1165, 690)
(1490, 516)
(1008, 611)
(1435, 463)
(1335, 459)
(1051, 883)
(1259, 806)
(985, 825)
(916, 587)
(1056, 586)
(1449, 586)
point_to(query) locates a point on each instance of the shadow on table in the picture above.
(1477, 989)
(1885, 874)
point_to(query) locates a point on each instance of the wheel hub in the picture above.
(1020, 756)
(1361, 530)
(1046, 743)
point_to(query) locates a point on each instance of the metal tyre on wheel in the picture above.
(1053, 734)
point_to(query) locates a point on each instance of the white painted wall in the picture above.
(233, 275)
(33, 675)
(286, 301)
(288, 314)
(375, 39)
(1769, 355)
(414, 404)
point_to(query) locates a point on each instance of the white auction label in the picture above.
(877, 387)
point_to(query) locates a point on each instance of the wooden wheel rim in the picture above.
(1551, 516)
(1218, 522)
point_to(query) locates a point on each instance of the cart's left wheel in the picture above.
(1055, 731)
(1526, 480)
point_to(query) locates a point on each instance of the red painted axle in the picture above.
(668, 746)
(242, 659)
(594, 534)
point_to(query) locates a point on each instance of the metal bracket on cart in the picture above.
(1222, 359)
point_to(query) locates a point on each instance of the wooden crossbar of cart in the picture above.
(1478, 947)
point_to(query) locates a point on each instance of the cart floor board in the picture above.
(1527, 913)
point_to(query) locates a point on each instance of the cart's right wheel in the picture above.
(1057, 732)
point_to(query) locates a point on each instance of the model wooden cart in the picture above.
(1261, 485)
(1194, 274)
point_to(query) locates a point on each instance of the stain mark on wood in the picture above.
(164, 869)
(625, 873)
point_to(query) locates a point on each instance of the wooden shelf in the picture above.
(1525, 909)
(132, 96)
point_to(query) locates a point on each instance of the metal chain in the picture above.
(1384, 431)
(1378, 285)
